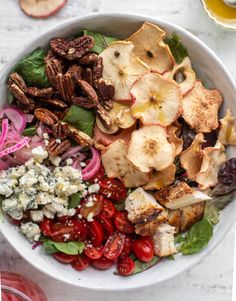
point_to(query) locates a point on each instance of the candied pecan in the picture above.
(54, 103)
(73, 49)
(97, 70)
(83, 102)
(88, 91)
(60, 130)
(36, 92)
(16, 79)
(66, 87)
(87, 75)
(75, 71)
(54, 148)
(80, 137)
(105, 89)
(88, 59)
(45, 116)
(53, 68)
(107, 104)
(26, 108)
(103, 116)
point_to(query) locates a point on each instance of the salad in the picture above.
(113, 152)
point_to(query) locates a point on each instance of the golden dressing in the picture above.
(220, 9)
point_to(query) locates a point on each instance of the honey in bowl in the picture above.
(221, 11)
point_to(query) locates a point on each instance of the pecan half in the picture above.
(75, 71)
(107, 104)
(87, 75)
(60, 130)
(88, 91)
(97, 70)
(73, 49)
(103, 116)
(88, 59)
(83, 102)
(80, 137)
(66, 87)
(53, 68)
(54, 103)
(55, 149)
(16, 79)
(45, 116)
(36, 92)
(105, 89)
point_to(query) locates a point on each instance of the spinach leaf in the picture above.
(179, 238)
(215, 205)
(70, 248)
(80, 118)
(32, 69)
(197, 238)
(143, 266)
(75, 200)
(170, 257)
(10, 97)
(30, 131)
(101, 41)
(176, 47)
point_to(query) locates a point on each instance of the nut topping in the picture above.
(66, 87)
(74, 49)
(103, 116)
(53, 68)
(60, 130)
(55, 149)
(54, 103)
(87, 75)
(36, 92)
(97, 70)
(45, 116)
(75, 71)
(16, 79)
(105, 89)
(88, 59)
(88, 91)
(80, 137)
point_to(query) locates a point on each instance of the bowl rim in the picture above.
(136, 17)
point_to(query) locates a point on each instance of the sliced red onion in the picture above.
(37, 244)
(15, 147)
(91, 169)
(4, 132)
(16, 116)
(71, 151)
(4, 165)
(42, 129)
(29, 118)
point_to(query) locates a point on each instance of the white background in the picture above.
(211, 280)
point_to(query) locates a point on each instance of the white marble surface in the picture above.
(211, 279)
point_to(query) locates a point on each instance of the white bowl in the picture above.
(210, 69)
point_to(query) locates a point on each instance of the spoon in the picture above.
(230, 3)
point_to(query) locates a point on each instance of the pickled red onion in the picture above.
(71, 151)
(16, 116)
(15, 147)
(4, 132)
(91, 169)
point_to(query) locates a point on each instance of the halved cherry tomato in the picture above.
(96, 233)
(80, 228)
(81, 263)
(122, 222)
(112, 189)
(126, 266)
(92, 205)
(64, 218)
(98, 176)
(64, 258)
(127, 247)
(15, 222)
(70, 230)
(46, 227)
(143, 249)
(93, 252)
(102, 263)
(114, 246)
(106, 224)
(109, 209)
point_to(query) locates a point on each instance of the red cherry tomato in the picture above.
(143, 249)
(64, 218)
(96, 233)
(93, 252)
(92, 205)
(99, 175)
(81, 263)
(127, 247)
(70, 230)
(80, 229)
(126, 266)
(109, 209)
(46, 227)
(106, 224)
(64, 258)
(122, 222)
(15, 222)
(102, 263)
(114, 246)
(112, 189)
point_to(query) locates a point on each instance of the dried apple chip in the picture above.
(157, 100)
(191, 158)
(184, 75)
(149, 148)
(213, 159)
(173, 138)
(150, 47)
(200, 108)
(227, 133)
(122, 67)
(118, 166)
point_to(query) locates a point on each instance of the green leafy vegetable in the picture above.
(143, 266)
(101, 41)
(179, 238)
(170, 257)
(32, 69)
(177, 48)
(215, 205)
(75, 200)
(10, 97)
(80, 118)
(70, 248)
(30, 131)
(197, 238)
